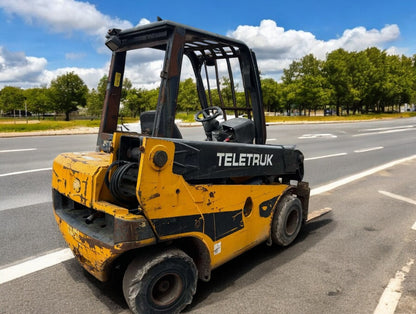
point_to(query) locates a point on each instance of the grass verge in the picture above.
(43, 125)
(20, 125)
(299, 119)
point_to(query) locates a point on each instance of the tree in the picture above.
(68, 92)
(312, 90)
(94, 103)
(95, 99)
(288, 96)
(305, 82)
(398, 82)
(374, 61)
(127, 86)
(227, 91)
(187, 96)
(270, 91)
(102, 87)
(11, 98)
(412, 71)
(134, 101)
(38, 100)
(337, 73)
(139, 100)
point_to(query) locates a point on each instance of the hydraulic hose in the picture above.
(122, 183)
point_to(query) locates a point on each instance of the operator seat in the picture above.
(147, 120)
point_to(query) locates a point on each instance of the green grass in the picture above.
(299, 119)
(7, 125)
(190, 117)
(20, 125)
(185, 117)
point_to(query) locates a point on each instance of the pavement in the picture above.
(72, 131)
(407, 303)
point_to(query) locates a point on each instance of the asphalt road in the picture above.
(341, 263)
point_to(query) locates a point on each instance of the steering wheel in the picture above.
(208, 114)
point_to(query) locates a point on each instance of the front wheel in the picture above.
(287, 220)
(163, 282)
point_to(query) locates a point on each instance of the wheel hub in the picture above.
(167, 289)
(292, 222)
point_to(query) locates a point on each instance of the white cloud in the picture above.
(145, 75)
(143, 22)
(17, 69)
(90, 76)
(276, 47)
(58, 16)
(64, 16)
(360, 38)
(396, 51)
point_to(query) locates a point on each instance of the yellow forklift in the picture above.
(166, 209)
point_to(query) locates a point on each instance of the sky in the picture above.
(42, 39)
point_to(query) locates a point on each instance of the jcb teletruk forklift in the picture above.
(170, 209)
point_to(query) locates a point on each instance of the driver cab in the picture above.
(239, 130)
(223, 71)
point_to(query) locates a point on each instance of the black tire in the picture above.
(287, 220)
(163, 282)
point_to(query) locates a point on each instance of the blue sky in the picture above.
(41, 39)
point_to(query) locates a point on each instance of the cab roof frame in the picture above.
(202, 48)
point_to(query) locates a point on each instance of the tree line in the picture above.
(348, 82)
(344, 83)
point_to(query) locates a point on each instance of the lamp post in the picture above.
(26, 111)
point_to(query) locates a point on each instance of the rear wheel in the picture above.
(287, 220)
(163, 282)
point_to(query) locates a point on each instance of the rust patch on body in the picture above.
(153, 196)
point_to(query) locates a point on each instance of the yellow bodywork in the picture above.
(226, 219)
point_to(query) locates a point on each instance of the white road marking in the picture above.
(324, 135)
(271, 139)
(24, 171)
(390, 128)
(384, 132)
(343, 154)
(364, 150)
(398, 197)
(51, 259)
(338, 183)
(326, 156)
(17, 150)
(33, 265)
(392, 294)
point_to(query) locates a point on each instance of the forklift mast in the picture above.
(203, 50)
